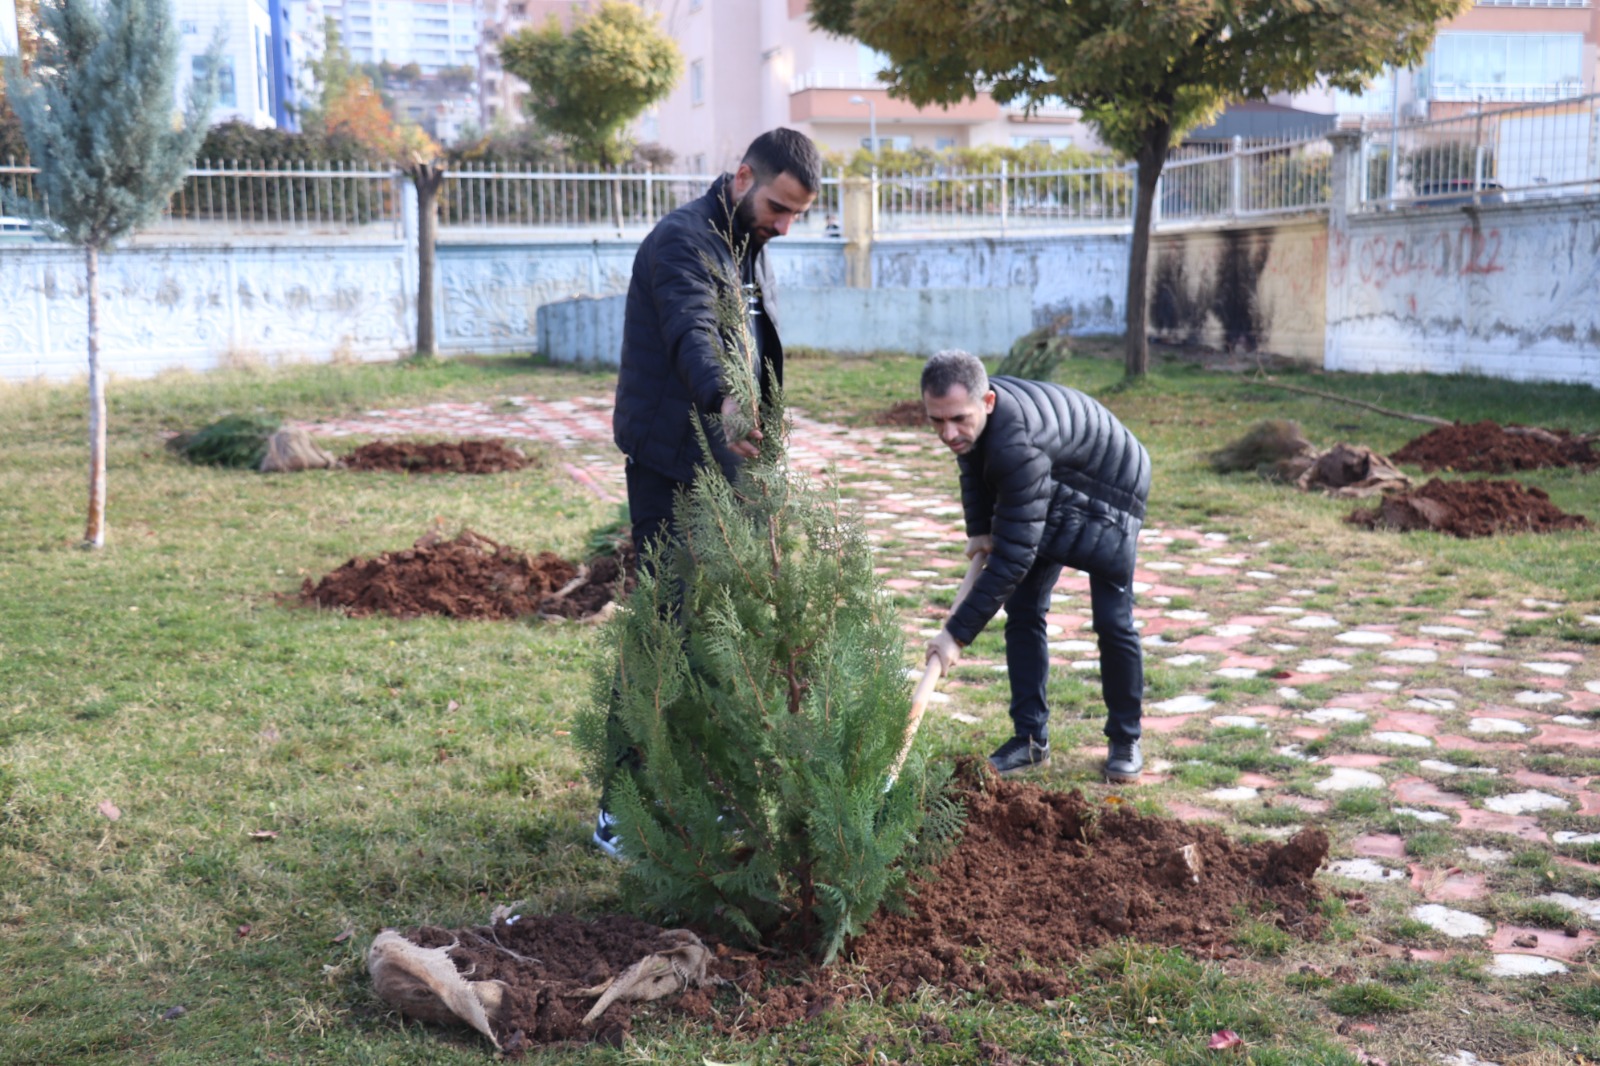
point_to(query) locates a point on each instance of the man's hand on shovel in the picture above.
(944, 650)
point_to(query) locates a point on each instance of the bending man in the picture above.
(1049, 478)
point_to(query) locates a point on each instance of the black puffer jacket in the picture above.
(1053, 475)
(669, 361)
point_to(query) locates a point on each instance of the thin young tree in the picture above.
(1143, 72)
(588, 83)
(96, 110)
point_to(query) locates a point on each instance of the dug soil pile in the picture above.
(904, 413)
(1038, 879)
(446, 457)
(1469, 509)
(1488, 448)
(470, 577)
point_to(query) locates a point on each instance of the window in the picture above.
(1377, 98)
(1505, 66)
(941, 143)
(227, 95)
(899, 144)
(697, 82)
(188, 27)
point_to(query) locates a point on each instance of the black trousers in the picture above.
(1028, 653)
(650, 496)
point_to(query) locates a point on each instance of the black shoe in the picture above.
(1124, 762)
(1019, 754)
(605, 834)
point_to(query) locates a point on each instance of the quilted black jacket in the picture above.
(669, 366)
(1054, 475)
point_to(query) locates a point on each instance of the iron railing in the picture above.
(1492, 155)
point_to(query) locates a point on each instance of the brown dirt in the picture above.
(1039, 878)
(905, 413)
(1469, 509)
(470, 577)
(446, 457)
(1486, 447)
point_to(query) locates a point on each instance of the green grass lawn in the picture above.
(290, 781)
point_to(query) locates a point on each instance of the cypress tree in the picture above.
(96, 110)
(756, 679)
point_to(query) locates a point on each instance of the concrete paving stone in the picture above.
(1165, 725)
(1557, 735)
(1237, 673)
(1324, 715)
(1548, 782)
(1189, 659)
(1451, 922)
(1550, 943)
(1362, 637)
(1232, 629)
(1551, 669)
(1408, 722)
(1506, 965)
(1487, 856)
(1379, 846)
(1497, 725)
(1592, 686)
(1567, 836)
(1189, 813)
(1254, 662)
(1365, 870)
(1315, 621)
(1448, 885)
(1483, 646)
(1162, 565)
(1538, 699)
(1284, 609)
(1323, 666)
(1239, 794)
(1427, 817)
(1439, 766)
(1237, 721)
(1519, 826)
(1478, 672)
(1384, 686)
(1188, 615)
(1409, 655)
(1303, 593)
(1187, 704)
(1589, 908)
(1303, 803)
(1420, 790)
(1573, 720)
(1260, 575)
(1288, 693)
(1358, 700)
(1524, 802)
(1452, 742)
(1257, 781)
(1447, 631)
(1295, 752)
(1356, 760)
(1431, 703)
(1343, 779)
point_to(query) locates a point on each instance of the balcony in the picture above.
(1504, 92)
(833, 79)
(833, 105)
(1533, 3)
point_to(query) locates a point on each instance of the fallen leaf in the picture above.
(243, 930)
(109, 809)
(451, 706)
(562, 733)
(172, 1013)
(1225, 1040)
(264, 834)
(345, 934)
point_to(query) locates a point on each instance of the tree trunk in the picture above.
(95, 535)
(1152, 157)
(427, 177)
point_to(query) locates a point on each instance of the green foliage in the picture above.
(757, 674)
(589, 83)
(234, 440)
(96, 112)
(1035, 356)
(1372, 997)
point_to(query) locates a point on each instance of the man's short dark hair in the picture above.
(945, 370)
(785, 151)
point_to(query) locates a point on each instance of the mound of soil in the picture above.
(1469, 509)
(470, 577)
(905, 413)
(1488, 448)
(1038, 878)
(447, 457)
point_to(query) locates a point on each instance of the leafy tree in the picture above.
(1143, 72)
(355, 114)
(588, 83)
(329, 74)
(757, 671)
(96, 111)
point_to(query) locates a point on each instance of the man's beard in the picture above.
(744, 223)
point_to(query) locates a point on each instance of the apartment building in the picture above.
(751, 65)
(1497, 53)
(430, 33)
(9, 38)
(249, 87)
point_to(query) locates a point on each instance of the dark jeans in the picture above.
(1028, 653)
(650, 497)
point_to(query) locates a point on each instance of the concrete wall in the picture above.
(1244, 288)
(920, 321)
(1507, 290)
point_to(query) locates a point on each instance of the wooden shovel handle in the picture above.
(931, 673)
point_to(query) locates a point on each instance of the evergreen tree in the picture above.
(96, 110)
(757, 676)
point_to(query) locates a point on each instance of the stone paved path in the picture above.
(1412, 706)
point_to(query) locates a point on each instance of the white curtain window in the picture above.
(1506, 66)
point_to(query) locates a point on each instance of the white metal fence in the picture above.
(1494, 154)
(1490, 156)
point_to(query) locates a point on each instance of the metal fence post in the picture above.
(1005, 170)
(649, 196)
(1235, 176)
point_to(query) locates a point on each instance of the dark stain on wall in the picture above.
(1236, 301)
(1175, 317)
(1180, 309)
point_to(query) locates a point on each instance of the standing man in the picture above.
(669, 369)
(670, 378)
(1049, 478)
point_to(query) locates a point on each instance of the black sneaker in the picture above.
(1124, 762)
(1019, 754)
(605, 834)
